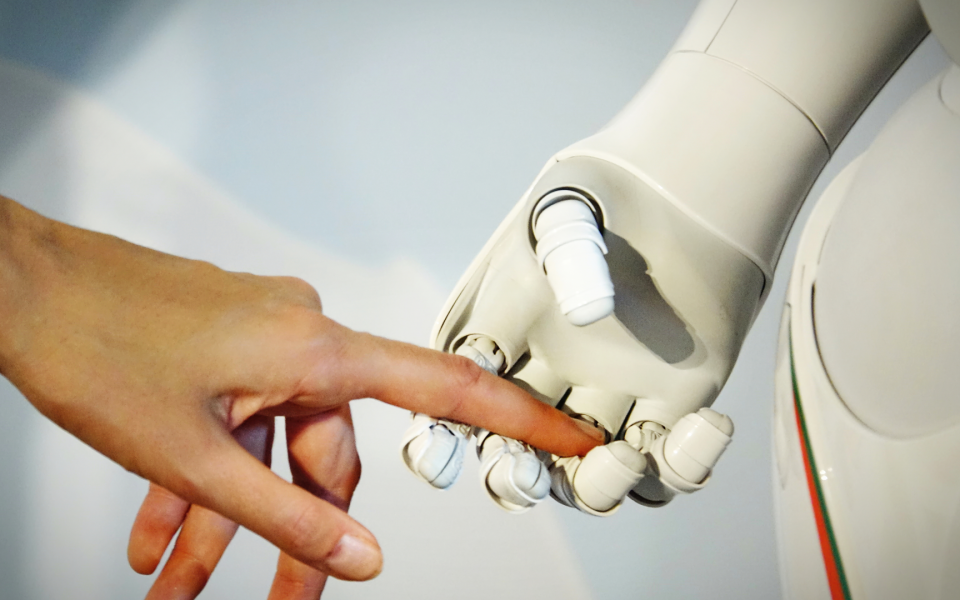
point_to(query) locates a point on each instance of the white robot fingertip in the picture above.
(684, 458)
(511, 473)
(433, 450)
(696, 443)
(570, 249)
(605, 476)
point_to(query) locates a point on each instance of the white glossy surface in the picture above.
(703, 26)
(684, 301)
(828, 58)
(802, 566)
(887, 295)
(653, 491)
(606, 474)
(756, 109)
(570, 249)
(884, 463)
(802, 571)
(433, 451)
(748, 144)
(695, 444)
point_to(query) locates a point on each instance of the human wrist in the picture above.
(27, 241)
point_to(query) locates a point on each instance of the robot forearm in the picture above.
(748, 106)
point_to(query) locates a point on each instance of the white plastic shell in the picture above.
(607, 474)
(682, 460)
(570, 249)
(753, 99)
(696, 443)
(433, 451)
(513, 476)
(889, 258)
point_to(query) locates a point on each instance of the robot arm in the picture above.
(621, 286)
(741, 116)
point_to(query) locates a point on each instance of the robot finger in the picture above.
(598, 483)
(433, 450)
(681, 460)
(511, 473)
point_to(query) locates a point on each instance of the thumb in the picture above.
(233, 483)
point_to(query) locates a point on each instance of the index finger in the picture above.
(452, 387)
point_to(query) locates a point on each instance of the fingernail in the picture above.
(355, 559)
(592, 430)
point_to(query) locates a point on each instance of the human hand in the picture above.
(174, 368)
(323, 460)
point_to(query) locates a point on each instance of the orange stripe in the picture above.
(829, 559)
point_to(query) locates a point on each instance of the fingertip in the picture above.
(139, 562)
(157, 522)
(594, 435)
(139, 557)
(145, 551)
(354, 558)
(307, 528)
(563, 435)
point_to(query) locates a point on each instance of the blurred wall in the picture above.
(370, 147)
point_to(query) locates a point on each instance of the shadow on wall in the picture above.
(57, 37)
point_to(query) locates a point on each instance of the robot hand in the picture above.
(598, 296)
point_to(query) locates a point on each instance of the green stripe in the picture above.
(816, 473)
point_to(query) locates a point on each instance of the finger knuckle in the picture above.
(305, 535)
(302, 322)
(467, 381)
(190, 568)
(351, 478)
(302, 290)
(339, 491)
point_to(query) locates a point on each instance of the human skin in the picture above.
(175, 369)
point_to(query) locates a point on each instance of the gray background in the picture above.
(378, 130)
